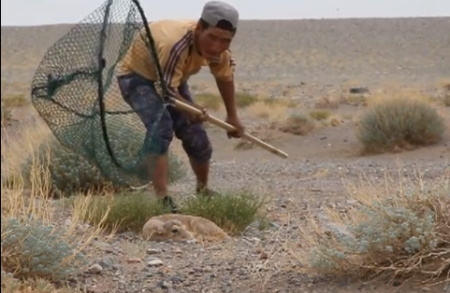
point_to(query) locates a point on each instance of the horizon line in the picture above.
(255, 19)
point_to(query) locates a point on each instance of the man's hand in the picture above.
(193, 117)
(234, 120)
(197, 118)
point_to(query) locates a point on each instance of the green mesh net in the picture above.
(75, 91)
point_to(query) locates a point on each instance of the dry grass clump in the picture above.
(209, 101)
(10, 284)
(327, 102)
(399, 123)
(354, 99)
(401, 229)
(16, 100)
(214, 102)
(298, 124)
(6, 114)
(320, 114)
(446, 99)
(35, 249)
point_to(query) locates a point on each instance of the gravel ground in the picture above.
(258, 261)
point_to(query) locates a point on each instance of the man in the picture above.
(183, 47)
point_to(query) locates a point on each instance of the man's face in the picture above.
(213, 41)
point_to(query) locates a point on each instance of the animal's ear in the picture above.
(172, 226)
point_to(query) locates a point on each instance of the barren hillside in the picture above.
(325, 51)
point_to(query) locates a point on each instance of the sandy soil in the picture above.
(300, 60)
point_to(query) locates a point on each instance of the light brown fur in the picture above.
(178, 227)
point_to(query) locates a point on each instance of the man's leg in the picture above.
(195, 143)
(142, 97)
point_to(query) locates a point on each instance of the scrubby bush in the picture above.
(399, 123)
(71, 172)
(66, 171)
(30, 249)
(402, 231)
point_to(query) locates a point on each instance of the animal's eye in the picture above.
(174, 230)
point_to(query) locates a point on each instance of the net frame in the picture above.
(45, 90)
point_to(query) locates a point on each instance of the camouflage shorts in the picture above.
(143, 98)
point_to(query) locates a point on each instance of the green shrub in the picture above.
(126, 211)
(399, 123)
(233, 212)
(33, 250)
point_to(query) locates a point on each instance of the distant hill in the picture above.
(295, 49)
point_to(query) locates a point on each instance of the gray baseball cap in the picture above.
(215, 11)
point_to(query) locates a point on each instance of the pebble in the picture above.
(95, 269)
(154, 262)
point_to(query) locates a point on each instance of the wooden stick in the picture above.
(222, 124)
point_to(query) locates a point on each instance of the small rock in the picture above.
(165, 285)
(134, 260)
(153, 251)
(154, 262)
(263, 255)
(95, 269)
(359, 90)
(67, 223)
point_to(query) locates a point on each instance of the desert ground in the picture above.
(301, 66)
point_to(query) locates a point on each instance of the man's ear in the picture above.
(198, 27)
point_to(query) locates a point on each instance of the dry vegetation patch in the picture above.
(245, 100)
(297, 123)
(40, 248)
(36, 250)
(16, 100)
(402, 229)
